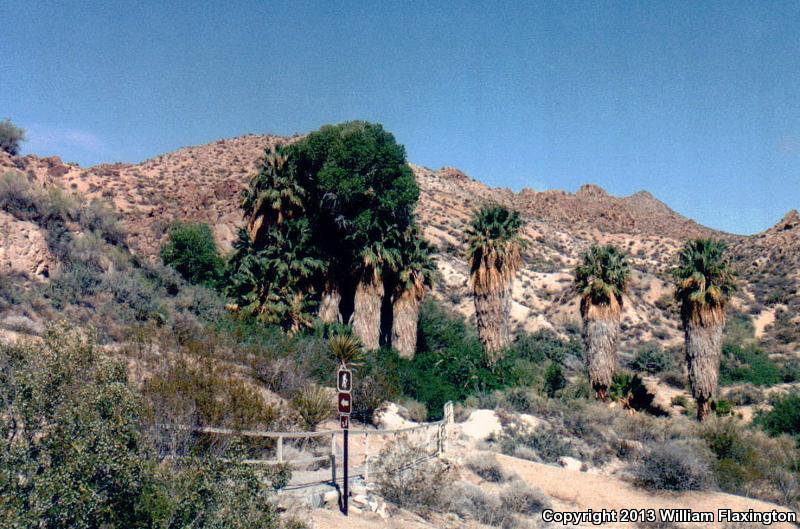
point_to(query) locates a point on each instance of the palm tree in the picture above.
(273, 196)
(601, 279)
(416, 272)
(375, 259)
(704, 280)
(493, 254)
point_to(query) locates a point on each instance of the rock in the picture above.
(570, 463)
(532, 421)
(388, 417)
(330, 498)
(481, 424)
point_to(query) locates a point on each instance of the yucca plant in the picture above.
(376, 259)
(314, 405)
(601, 279)
(416, 272)
(346, 349)
(704, 280)
(494, 256)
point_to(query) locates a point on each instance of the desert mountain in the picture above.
(202, 183)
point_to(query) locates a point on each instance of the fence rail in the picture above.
(438, 431)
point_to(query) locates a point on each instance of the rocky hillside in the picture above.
(202, 183)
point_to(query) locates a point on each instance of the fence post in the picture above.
(333, 458)
(280, 449)
(448, 420)
(366, 457)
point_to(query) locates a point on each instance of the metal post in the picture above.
(346, 499)
(280, 449)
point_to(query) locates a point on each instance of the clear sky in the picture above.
(696, 102)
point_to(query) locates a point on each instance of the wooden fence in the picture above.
(364, 444)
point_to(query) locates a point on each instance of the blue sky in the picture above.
(696, 102)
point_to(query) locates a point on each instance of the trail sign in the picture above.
(345, 403)
(344, 421)
(344, 379)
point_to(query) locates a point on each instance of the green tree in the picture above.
(192, 251)
(494, 256)
(415, 273)
(601, 279)
(10, 137)
(704, 280)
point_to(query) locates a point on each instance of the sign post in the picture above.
(344, 383)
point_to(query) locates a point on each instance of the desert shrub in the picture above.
(745, 395)
(674, 465)
(99, 217)
(749, 365)
(74, 453)
(544, 345)
(651, 358)
(751, 463)
(210, 397)
(722, 407)
(136, 297)
(739, 329)
(314, 405)
(73, 285)
(375, 382)
(543, 444)
(519, 497)
(469, 501)
(629, 390)
(281, 375)
(192, 251)
(783, 418)
(674, 377)
(487, 467)
(11, 137)
(408, 477)
(413, 410)
(554, 379)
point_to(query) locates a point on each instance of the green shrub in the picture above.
(722, 407)
(10, 137)
(554, 379)
(409, 478)
(651, 358)
(783, 418)
(487, 467)
(546, 445)
(544, 345)
(748, 364)
(192, 251)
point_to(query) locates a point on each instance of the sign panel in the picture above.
(344, 421)
(345, 403)
(344, 379)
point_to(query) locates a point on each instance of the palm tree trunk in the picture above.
(703, 349)
(329, 304)
(405, 315)
(600, 335)
(367, 312)
(492, 310)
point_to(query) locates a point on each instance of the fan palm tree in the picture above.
(375, 259)
(601, 279)
(704, 280)
(415, 273)
(273, 195)
(494, 256)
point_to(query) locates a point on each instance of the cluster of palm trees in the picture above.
(703, 277)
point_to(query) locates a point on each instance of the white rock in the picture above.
(387, 417)
(532, 421)
(481, 424)
(570, 463)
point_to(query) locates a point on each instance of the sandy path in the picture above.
(579, 491)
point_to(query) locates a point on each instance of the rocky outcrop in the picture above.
(23, 248)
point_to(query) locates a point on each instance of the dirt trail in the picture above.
(580, 491)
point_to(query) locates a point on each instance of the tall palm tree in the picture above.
(601, 279)
(416, 272)
(704, 280)
(494, 256)
(273, 196)
(375, 259)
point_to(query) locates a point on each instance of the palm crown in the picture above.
(703, 278)
(493, 246)
(416, 268)
(602, 275)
